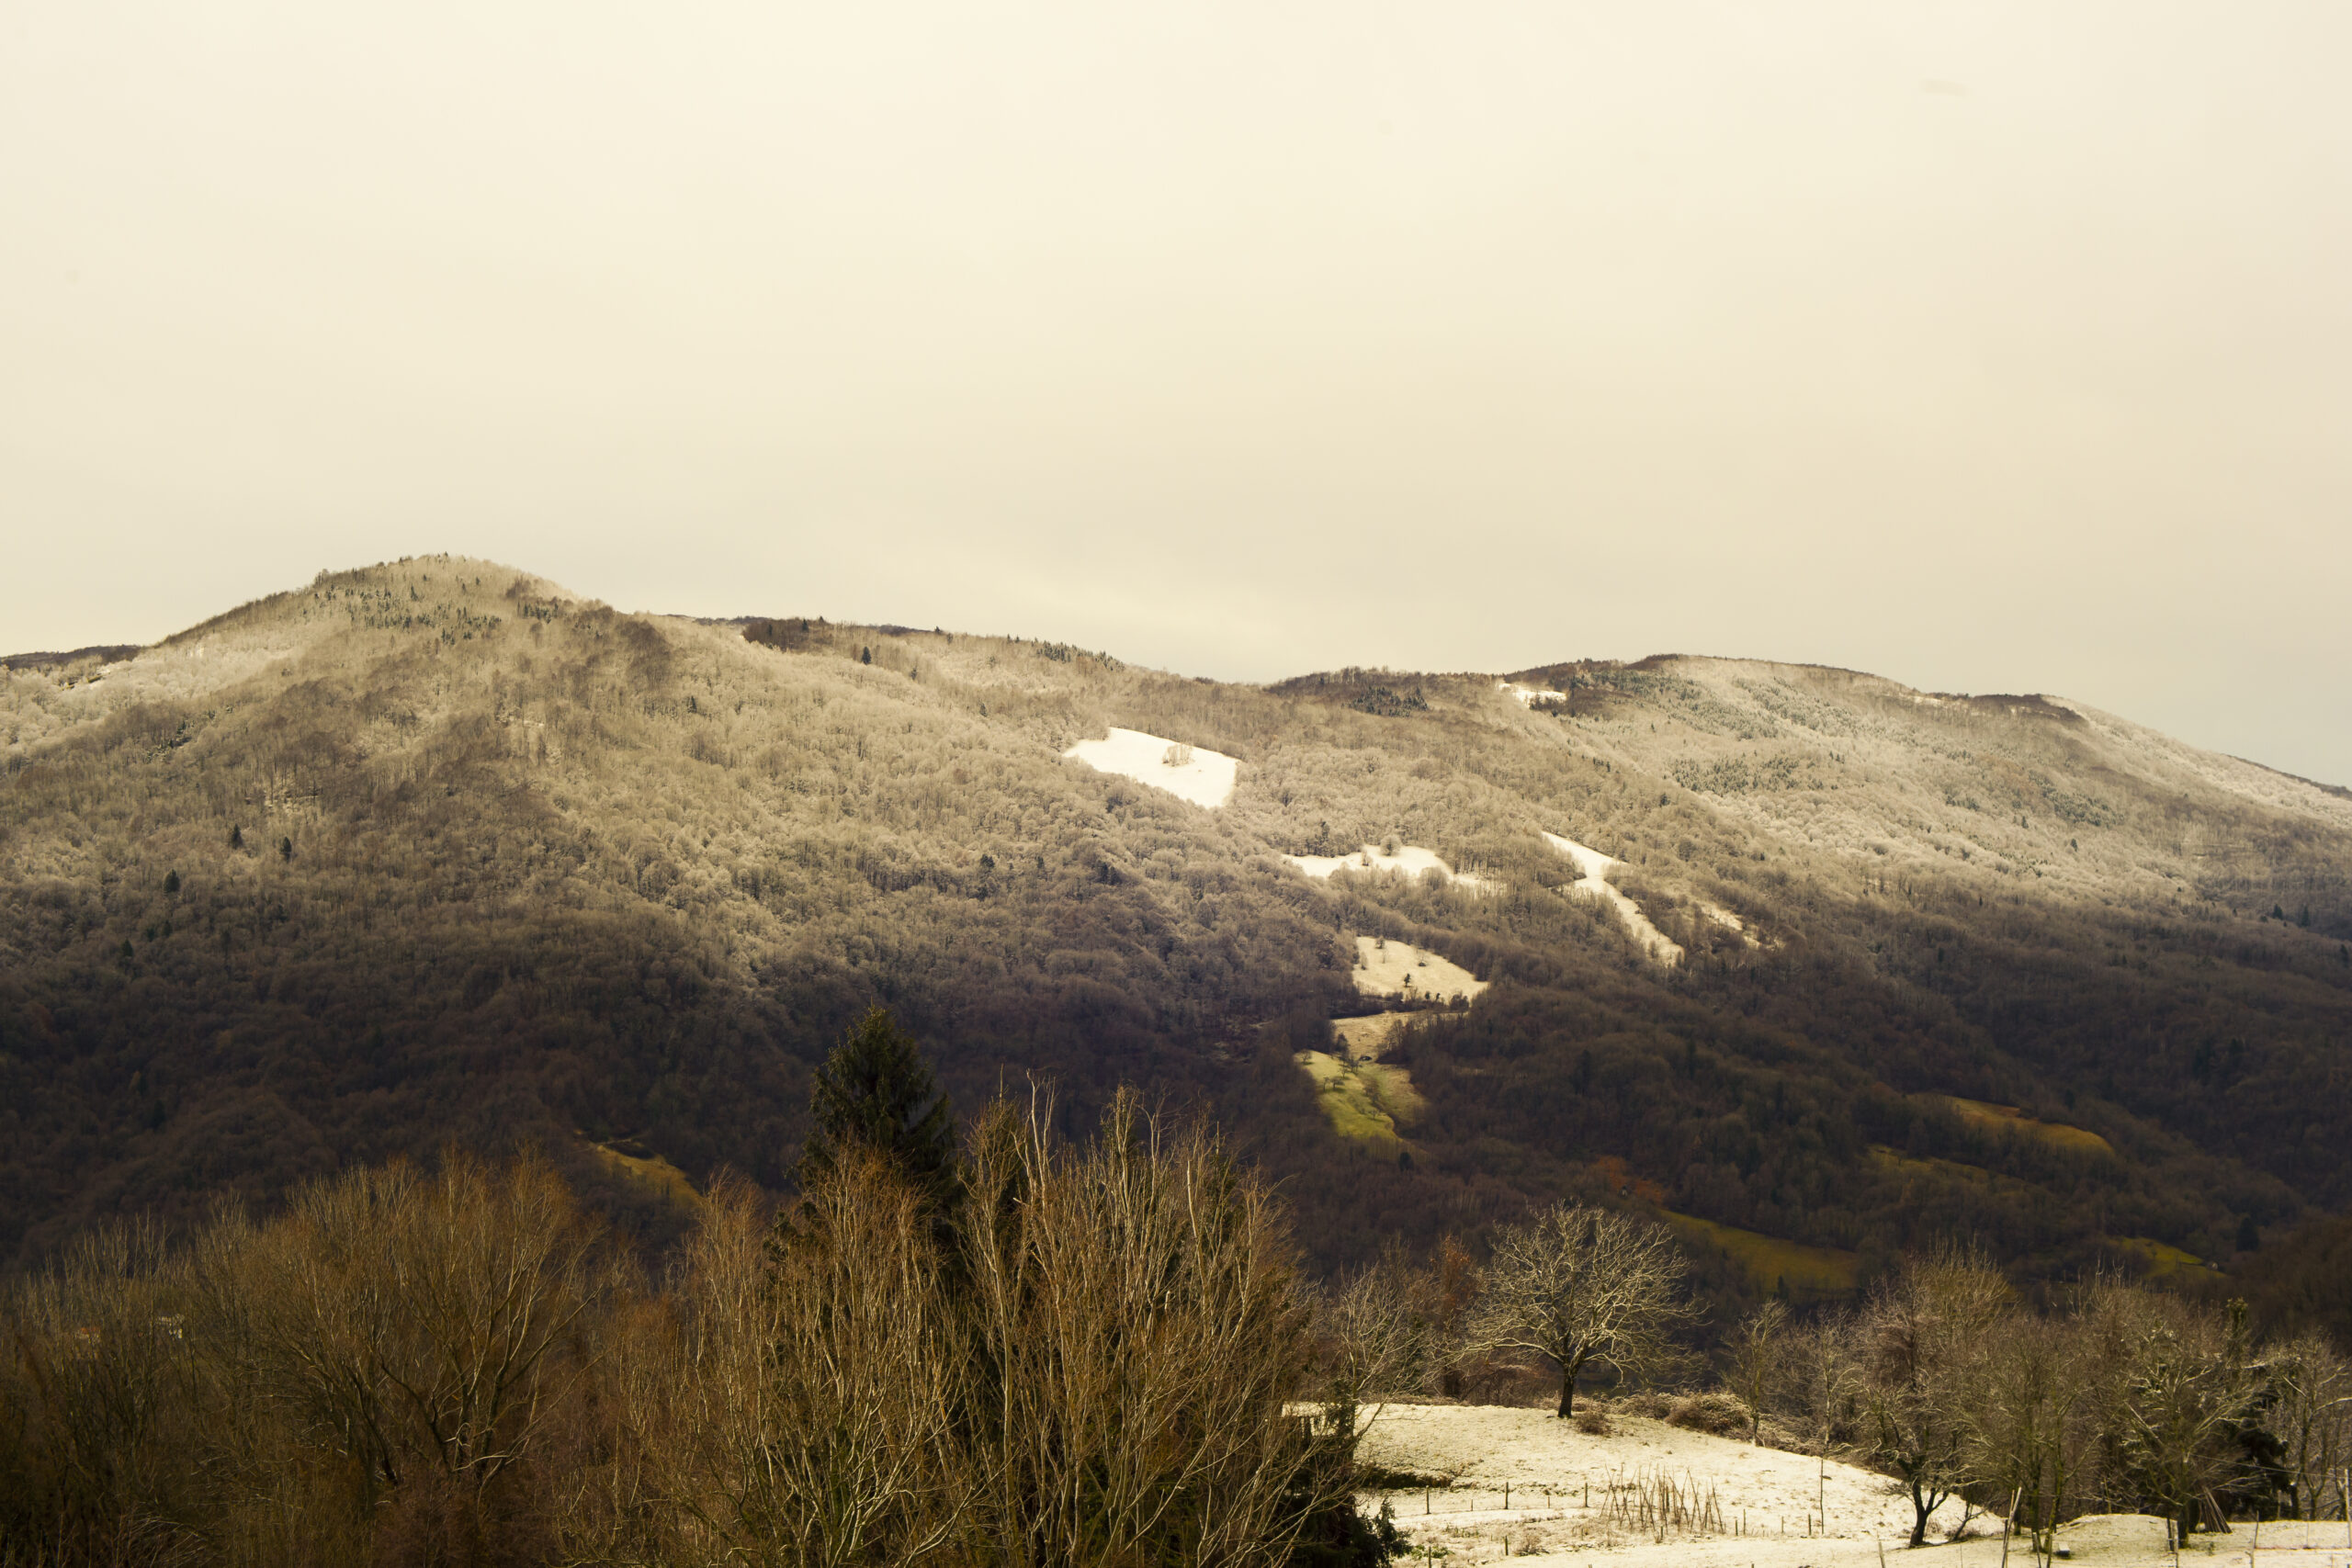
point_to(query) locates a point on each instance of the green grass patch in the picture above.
(652, 1170)
(1365, 1100)
(1392, 1089)
(1982, 1113)
(2162, 1255)
(1773, 1263)
(1897, 1161)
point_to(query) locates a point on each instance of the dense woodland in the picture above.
(431, 852)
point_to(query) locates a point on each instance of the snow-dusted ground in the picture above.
(1398, 968)
(1772, 1503)
(1410, 858)
(1595, 868)
(1192, 773)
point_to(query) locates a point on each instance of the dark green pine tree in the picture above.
(875, 1092)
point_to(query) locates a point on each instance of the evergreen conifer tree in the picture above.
(876, 1093)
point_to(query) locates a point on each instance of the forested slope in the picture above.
(432, 851)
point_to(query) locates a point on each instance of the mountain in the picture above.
(1815, 963)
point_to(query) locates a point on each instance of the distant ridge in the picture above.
(105, 653)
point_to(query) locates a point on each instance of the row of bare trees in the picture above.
(399, 1358)
(2109, 1397)
(1003, 1348)
(1082, 1354)
(1096, 1371)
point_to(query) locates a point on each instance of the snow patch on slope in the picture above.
(1400, 969)
(1191, 772)
(1410, 858)
(1595, 868)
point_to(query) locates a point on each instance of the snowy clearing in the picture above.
(1400, 969)
(1595, 868)
(1561, 1480)
(1410, 858)
(1189, 772)
(1770, 1504)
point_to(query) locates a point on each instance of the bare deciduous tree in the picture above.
(1919, 1340)
(844, 1449)
(93, 1402)
(1824, 1379)
(2187, 1386)
(2019, 1412)
(1581, 1287)
(1140, 1333)
(1759, 1354)
(1454, 1283)
(1372, 1340)
(2311, 1417)
(419, 1327)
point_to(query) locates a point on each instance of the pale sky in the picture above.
(1990, 348)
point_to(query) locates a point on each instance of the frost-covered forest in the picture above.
(434, 852)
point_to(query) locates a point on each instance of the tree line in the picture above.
(996, 1344)
(2098, 1396)
(1001, 1348)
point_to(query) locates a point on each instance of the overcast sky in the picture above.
(1990, 347)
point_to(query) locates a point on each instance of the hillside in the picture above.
(1817, 963)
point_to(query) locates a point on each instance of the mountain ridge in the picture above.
(555, 871)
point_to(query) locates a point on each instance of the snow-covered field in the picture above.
(1777, 1509)
(1189, 772)
(1410, 858)
(1398, 968)
(1595, 868)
